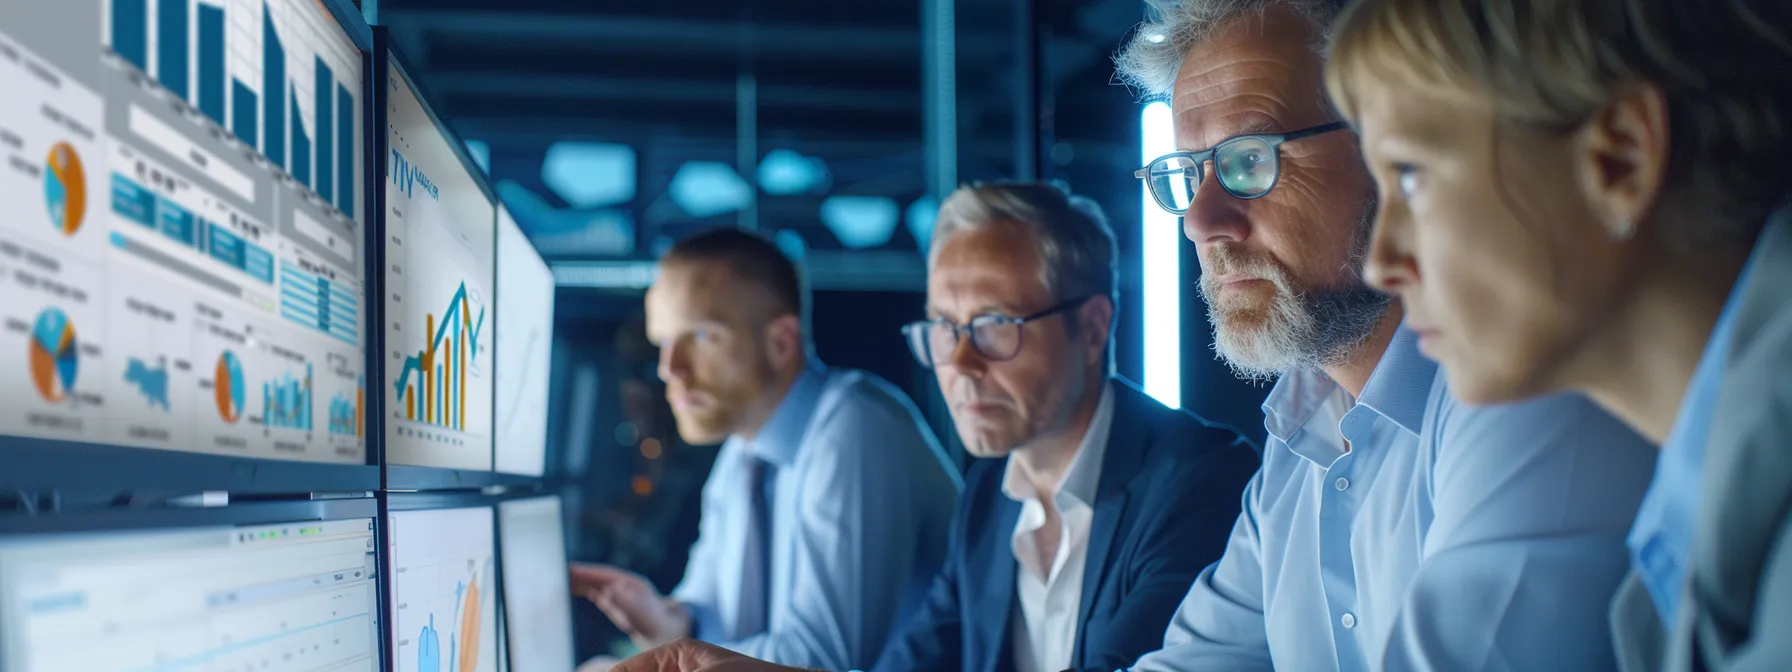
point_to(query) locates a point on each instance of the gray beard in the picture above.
(1304, 330)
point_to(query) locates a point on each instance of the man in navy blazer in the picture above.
(1096, 506)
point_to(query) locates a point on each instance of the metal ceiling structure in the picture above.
(844, 83)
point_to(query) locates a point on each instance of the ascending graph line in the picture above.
(444, 396)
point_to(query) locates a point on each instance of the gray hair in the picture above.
(1077, 247)
(1150, 60)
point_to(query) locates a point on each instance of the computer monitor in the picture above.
(525, 350)
(286, 597)
(182, 252)
(439, 247)
(443, 601)
(537, 597)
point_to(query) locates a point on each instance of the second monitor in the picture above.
(439, 252)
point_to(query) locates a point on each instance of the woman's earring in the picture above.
(1625, 229)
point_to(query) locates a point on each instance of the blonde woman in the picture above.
(1591, 195)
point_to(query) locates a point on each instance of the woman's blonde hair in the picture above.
(1724, 67)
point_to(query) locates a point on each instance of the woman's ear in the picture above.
(1624, 158)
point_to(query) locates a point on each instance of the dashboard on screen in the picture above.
(439, 273)
(443, 604)
(292, 597)
(537, 594)
(525, 351)
(180, 262)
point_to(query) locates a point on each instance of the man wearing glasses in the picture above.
(1390, 528)
(1095, 506)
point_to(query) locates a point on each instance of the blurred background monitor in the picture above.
(537, 597)
(280, 597)
(439, 239)
(443, 601)
(525, 351)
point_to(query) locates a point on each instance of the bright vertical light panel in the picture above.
(1161, 240)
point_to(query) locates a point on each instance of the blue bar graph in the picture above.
(171, 49)
(301, 144)
(345, 151)
(273, 90)
(211, 62)
(242, 112)
(130, 31)
(286, 403)
(326, 86)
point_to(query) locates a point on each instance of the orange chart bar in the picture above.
(410, 393)
(460, 400)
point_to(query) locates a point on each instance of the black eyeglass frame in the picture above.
(1201, 157)
(960, 332)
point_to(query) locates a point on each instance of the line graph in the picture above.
(441, 366)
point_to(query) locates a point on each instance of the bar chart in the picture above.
(286, 401)
(441, 367)
(277, 74)
(345, 411)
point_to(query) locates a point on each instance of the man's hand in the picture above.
(692, 656)
(632, 604)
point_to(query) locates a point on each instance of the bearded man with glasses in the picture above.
(1391, 527)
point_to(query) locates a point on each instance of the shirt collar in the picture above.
(782, 435)
(1398, 389)
(1401, 384)
(1083, 475)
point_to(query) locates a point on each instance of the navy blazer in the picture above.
(1169, 494)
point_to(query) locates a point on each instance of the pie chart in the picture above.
(65, 188)
(227, 385)
(54, 361)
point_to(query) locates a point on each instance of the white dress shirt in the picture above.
(1044, 626)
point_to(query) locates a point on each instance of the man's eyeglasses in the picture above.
(1247, 167)
(996, 338)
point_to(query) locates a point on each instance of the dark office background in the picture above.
(612, 127)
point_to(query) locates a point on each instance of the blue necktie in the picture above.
(756, 563)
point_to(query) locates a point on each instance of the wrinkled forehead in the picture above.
(1257, 74)
(996, 267)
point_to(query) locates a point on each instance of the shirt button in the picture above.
(1348, 620)
(1342, 483)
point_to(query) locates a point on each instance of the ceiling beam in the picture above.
(657, 90)
(592, 32)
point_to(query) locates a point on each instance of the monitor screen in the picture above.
(281, 598)
(525, 351)
(439, 267)
(444, 613)
(182, 267)
(537, 597)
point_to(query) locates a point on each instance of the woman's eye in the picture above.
(1406, 178)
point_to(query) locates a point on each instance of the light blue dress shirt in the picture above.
(861, 498)
(1662, 539)
(1447, 537)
